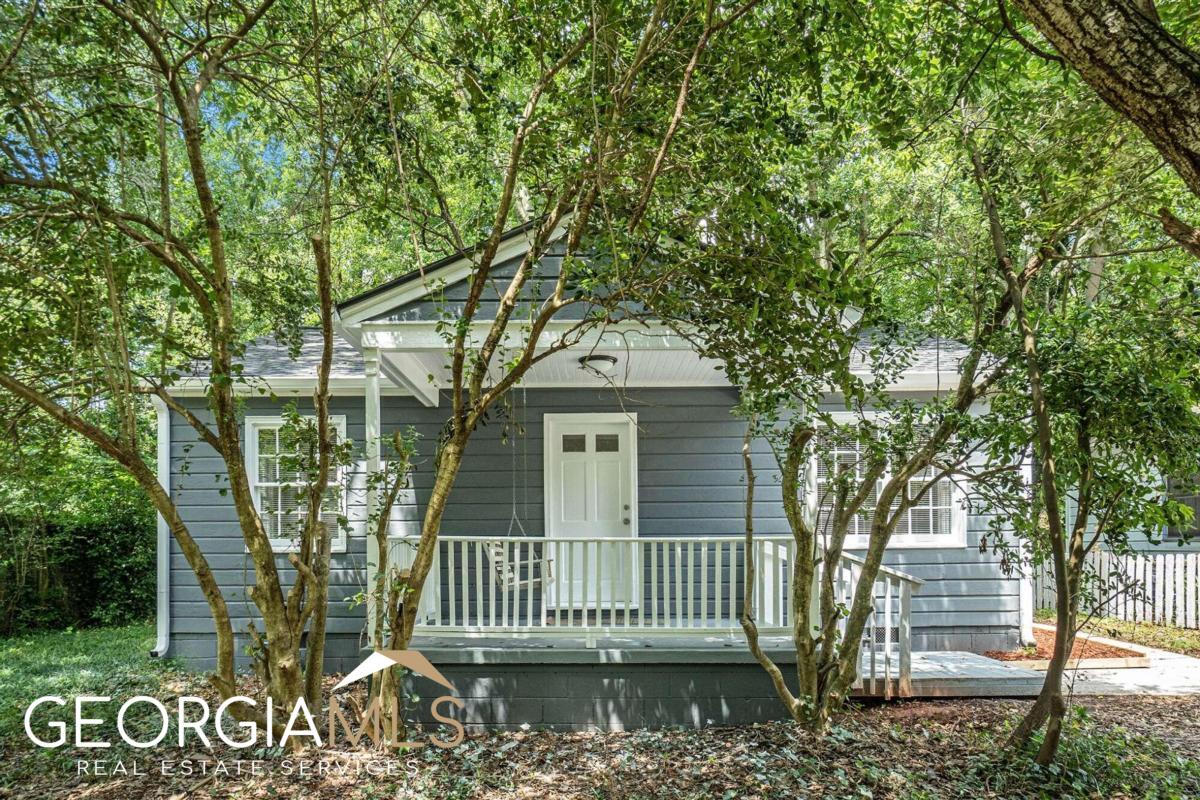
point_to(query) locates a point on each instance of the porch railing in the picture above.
(603, 587)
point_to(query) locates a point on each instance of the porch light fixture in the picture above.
(601, 363)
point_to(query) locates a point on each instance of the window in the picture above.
(1186, 492)
(608, 443)
(937, 520)
(277, 489)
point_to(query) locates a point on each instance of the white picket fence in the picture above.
(1163, 588)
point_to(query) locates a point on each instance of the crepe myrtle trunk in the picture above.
(1067, 556)
(794, 704)
(447, 465)
(814, 712)
(826, 667)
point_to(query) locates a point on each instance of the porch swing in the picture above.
(506, 571)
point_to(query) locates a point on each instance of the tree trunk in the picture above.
(448, 463)
(1050, 701)
(1138, 68)
(1185, 234)
(790, 702)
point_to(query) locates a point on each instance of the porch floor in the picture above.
(938, 673)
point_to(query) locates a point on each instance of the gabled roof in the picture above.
(391, 288)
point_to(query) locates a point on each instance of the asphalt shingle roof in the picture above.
(266, 357)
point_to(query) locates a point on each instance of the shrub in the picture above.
(91, 572)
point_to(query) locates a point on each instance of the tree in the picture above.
(599, 106)
(127, 217)
(78, 533)
(151, 156)
(1122, 49)
(1107, 420)
(784, 301)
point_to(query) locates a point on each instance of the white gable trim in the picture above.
(448, 274)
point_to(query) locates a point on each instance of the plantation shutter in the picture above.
(933, 514)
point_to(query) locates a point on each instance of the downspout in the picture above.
(163, 547)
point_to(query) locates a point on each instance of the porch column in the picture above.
(810, 512)
(371, 451)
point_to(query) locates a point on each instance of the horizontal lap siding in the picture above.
(197, 478)
(690, 483)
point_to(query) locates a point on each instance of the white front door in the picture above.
(591, 484)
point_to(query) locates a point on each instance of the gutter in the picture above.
(163, 545)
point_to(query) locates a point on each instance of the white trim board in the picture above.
(162, 613)
(283, 387)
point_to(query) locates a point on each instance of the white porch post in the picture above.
(371, 450)
(1025, 603)
(811, 510)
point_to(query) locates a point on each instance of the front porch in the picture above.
(624, 600)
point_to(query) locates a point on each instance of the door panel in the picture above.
(591, 468)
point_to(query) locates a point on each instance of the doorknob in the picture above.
(626, 520)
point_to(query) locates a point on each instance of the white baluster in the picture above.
(478, 547)
(584, 565)
(887, 637)
(628, 581)
(529, 583)
(653, 584)
(452, 581)
(733, 583)
(678, 587)
(719, 577)
(600, 584)
(905, 636)
(506, 548)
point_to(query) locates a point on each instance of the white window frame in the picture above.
(956, 539)
(339, 541)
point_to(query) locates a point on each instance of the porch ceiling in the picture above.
(417, 355)
(634, 368)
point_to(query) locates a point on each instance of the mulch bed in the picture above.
(928, 749)
(1045, 649)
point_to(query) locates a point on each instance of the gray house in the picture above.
(590, 570)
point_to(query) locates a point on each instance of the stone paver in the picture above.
(1168, 674)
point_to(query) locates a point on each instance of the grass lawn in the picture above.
(1163, 637)
(101, 661)
(1118, 747)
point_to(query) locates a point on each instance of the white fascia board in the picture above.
(450, 273)
(923, 381)
(425, 336)
(281, 386)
